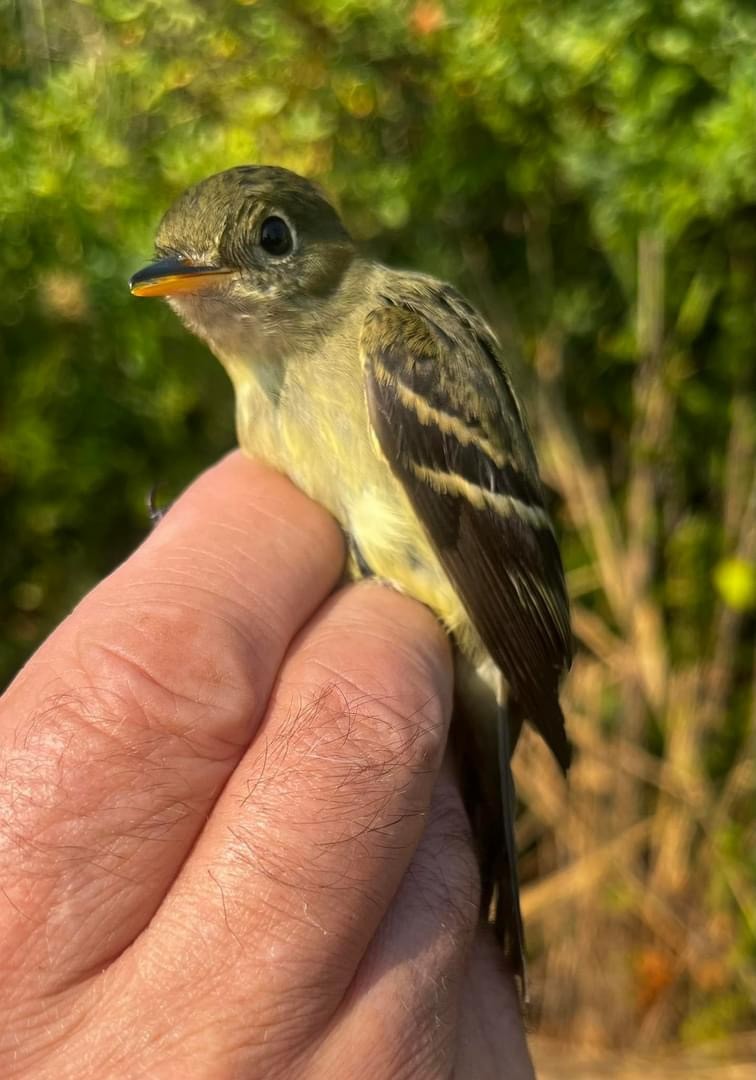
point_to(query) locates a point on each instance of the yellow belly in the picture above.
(320, 436)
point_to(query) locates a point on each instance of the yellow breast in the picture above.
(317, 431)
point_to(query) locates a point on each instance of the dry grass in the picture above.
(635, 906)
(731, 1061)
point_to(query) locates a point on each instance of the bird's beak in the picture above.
(166, 277)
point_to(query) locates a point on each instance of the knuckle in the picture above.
(170, 666)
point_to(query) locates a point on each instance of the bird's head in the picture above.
(255, 246)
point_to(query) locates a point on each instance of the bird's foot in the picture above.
(357, 559)
(156, 513)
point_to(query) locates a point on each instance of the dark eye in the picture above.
(275, 236)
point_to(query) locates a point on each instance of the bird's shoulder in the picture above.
(447, 312)
(427, 335)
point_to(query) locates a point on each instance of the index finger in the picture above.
(121, 731)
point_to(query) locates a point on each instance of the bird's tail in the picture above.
(485, 733)
(508, 917)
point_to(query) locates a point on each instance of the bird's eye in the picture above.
(275, 236)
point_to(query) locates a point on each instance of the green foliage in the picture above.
(521, 148)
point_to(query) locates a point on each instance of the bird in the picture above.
(383, 395)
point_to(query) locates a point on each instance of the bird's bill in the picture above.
(166, 277)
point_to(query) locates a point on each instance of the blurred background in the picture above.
(586, 173)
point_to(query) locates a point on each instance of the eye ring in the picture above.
(275, 236)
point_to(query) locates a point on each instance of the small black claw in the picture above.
(157, 513)
(357, 555)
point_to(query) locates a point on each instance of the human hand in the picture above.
(228, 845)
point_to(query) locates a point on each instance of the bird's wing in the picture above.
(448, 423)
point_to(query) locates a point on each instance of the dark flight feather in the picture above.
(449, 425)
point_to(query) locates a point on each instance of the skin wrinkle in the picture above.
(78, 1000)
(142, 674)
(227, 921)
(229, 747)
(284, 533)
(290, 914)
(89, 930)
(300, 1007)
(245, 637)
(231, 583)
(67, 895)
(347, 882)
(73, 890)
(182, 603)
(408, 1040)
(128, 986)
(265, 612)
(120, 1050)
(108, 858)
(280, 1039)
(94, 729)
(170, 804)
(172, 616)
(158, 967)
(219, 742)
(281, 546)
(163, 815)
(55, 1035)
(354, 697)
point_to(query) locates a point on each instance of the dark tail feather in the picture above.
(508, 924)
(484, 733)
